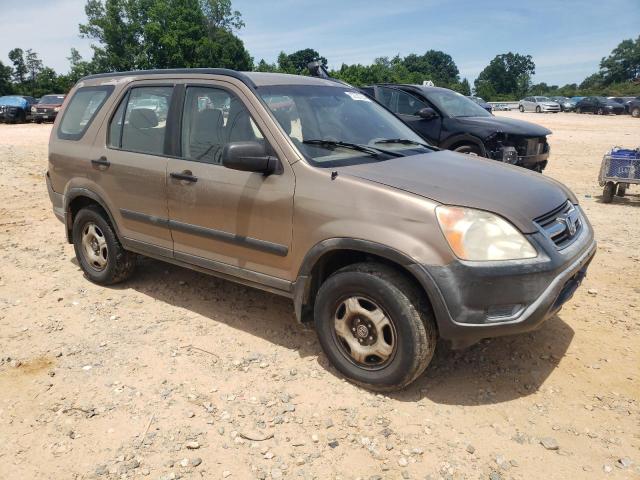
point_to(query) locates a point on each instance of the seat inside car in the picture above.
(140, 133)
(205, 137)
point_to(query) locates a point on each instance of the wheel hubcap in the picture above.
(94, 246)
(365, 334)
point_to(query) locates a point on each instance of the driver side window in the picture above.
(213, 117)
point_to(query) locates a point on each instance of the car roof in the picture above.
(252, 79)
(424, 88)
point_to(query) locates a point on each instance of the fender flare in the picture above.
(465, 138)
(76, 192)
(301, 288)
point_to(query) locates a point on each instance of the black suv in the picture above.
(451, 121)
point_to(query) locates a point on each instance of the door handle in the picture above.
(101, 162)
(185, 175)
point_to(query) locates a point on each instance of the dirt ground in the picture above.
(176, 374)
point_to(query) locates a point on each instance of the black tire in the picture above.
(600, 111)
(119, 263)
(607, 192)
(410, 321)
(468, 149)
(521, 108)
(38, 121)
(635, 112)
(621, 190)
(538, 109)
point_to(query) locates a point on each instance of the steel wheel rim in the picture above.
(365, 335)
(94, 247)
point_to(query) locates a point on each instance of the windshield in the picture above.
(52, 100)
(336, 125)
(542, 99)
(13, 101)
(454, 104)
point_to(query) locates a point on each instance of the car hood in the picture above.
(517, 194)
(511, 126)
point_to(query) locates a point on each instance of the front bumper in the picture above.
(44, 116)
(549, 108)
(476, 300)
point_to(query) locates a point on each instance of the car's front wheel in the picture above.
(578, 110)
(468, 149)
(538, 109)
(101, 256)
(375, 326)
(521, 108)
(600, 111)
(635, 112)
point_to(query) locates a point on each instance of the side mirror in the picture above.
(249, 157)
(427, 113)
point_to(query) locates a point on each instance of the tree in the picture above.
(263, 66)
(219, 14)
(507, 74)
(297, 62)
(5, 79)
(34, 67)
(623, 64)
(434, 65)
(464, 88)
(144, 34)
(19, 67)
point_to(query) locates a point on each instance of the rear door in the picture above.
(227, 220)
(130, 164)
(407, 105)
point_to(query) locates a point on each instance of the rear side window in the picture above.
(81, 110)
(140, 122)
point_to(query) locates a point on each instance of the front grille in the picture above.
(561, 225)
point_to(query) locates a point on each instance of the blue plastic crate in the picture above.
(624, 163)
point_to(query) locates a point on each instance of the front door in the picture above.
(406, 106)
(225, 219)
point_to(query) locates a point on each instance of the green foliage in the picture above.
(507, 74)
(19, 66)
(5, 79)
(296, 63)
(623, 64)
(147, 34)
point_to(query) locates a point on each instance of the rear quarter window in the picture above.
(81, 110)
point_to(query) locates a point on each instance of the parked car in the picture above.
(633, 107)
(599, 106)
(16, 108)
(538, 105)
(47, 108)
(566, 104)
(482, 103)
(384, 242)
(448, 120)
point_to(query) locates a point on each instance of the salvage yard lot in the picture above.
(176, 374)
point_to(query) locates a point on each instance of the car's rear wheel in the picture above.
(635, 112)
(578, 110)
(101, 256)
(608, 191)
(375, 326)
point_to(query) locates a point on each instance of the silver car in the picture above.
(538, 105)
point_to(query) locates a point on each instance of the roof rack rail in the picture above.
(164, 71)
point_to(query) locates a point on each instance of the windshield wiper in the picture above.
(353, 146)
(403, 141)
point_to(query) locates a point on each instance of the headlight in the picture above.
(482, 236)
(33, 109)
(57, 109)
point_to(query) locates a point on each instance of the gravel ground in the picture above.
(175, 374)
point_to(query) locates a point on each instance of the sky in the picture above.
(566, 38)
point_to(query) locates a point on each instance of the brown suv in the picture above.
(306, 188)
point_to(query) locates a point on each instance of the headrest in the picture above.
(206, 124)
(142, 118)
